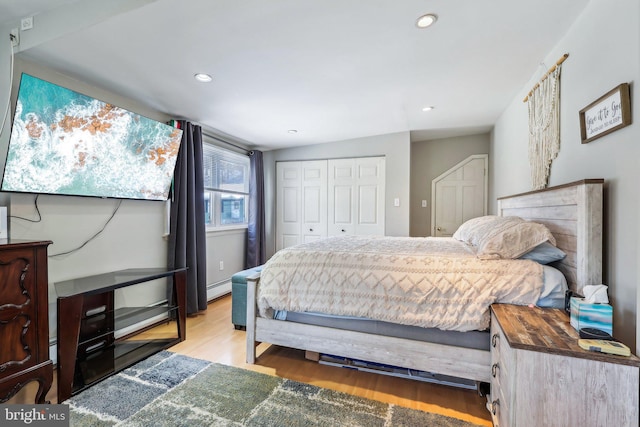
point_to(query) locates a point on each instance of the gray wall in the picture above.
(228, 247)
(429, 159)
(604, 49)
(396, 149)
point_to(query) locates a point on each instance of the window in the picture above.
(226, 187)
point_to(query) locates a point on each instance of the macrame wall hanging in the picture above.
(543, 102)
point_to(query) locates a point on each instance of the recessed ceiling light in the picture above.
(292, 131)
(203, 77)
(428, 108)
(426, 20)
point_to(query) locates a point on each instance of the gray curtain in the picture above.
(256, 247)
(187, 228)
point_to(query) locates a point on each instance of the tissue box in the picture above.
(586, 315)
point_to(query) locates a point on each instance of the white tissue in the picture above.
(595, 294)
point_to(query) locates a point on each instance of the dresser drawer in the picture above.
(17, 290)
(24, 320)
(18, 312)
(501, 359)
(498, 405)
(502, 367)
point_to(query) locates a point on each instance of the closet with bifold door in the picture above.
(320, 198)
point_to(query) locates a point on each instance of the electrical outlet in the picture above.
(14, 34)
(221, 265)
(26, 23)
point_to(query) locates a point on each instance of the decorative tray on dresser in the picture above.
(541, 377)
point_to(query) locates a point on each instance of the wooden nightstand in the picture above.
(541, 377)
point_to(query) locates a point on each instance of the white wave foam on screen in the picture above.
(118, 160)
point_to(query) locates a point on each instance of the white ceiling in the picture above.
(331, 69)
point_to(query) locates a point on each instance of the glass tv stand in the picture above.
(88, 324)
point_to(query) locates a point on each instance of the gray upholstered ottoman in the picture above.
(239, 297)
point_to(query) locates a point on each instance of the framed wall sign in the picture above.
(606, 114)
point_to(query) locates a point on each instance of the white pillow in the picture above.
(470, 231)
(511, 238)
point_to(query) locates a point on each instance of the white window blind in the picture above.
(226, 183)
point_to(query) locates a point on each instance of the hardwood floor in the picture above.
(211, 336)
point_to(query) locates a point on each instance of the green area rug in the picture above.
(169, 389)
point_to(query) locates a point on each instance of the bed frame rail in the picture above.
(443, 359)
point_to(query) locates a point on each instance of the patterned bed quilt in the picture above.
(433, 282)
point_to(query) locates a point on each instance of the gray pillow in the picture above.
(544, 253)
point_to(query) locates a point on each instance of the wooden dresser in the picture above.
(541, 377)
(24, 318)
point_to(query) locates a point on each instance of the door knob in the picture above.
(439, 228)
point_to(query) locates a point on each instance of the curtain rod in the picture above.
(551, 70)
(208, 135)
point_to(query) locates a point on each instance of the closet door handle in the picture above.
(343, 230)
(311, 229)
(494, 369)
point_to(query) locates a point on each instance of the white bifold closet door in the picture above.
(320, 198)
(356, 196)
(301, 202)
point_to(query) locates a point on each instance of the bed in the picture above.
(572, 213)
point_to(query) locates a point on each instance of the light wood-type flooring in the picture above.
(211, 336)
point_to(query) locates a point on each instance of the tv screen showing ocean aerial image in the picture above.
(63, 142)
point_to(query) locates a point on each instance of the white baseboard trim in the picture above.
(216, 290)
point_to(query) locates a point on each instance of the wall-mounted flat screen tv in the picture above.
(63, 142)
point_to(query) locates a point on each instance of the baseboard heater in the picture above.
(396, 371)
(218, 289)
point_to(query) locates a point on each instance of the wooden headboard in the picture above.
(573, 214)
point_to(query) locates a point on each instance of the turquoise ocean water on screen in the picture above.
(63, 142)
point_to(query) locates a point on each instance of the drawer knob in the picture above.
(494, 340)
(494, 369)
(494, 406)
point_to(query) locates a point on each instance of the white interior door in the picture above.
(370, 196)
(459, 194)
(301, 202)
(341, 202)
(314, 200)
(288, 201)
(356, 196)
